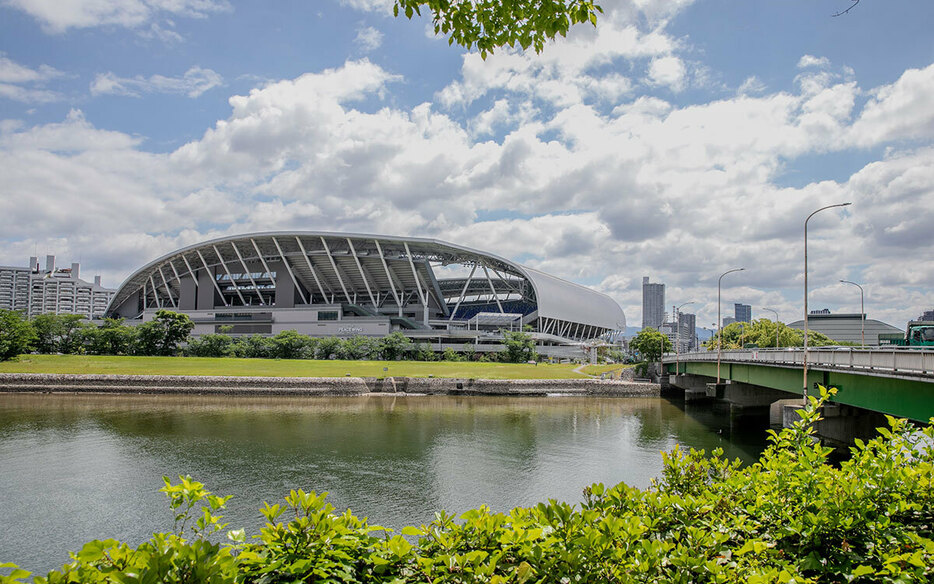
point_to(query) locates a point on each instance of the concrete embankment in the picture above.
(190, 384)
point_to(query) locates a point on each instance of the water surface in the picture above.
(80, 467)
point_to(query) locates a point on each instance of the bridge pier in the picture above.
(841, 424)
(693, 387)
(736, 393)
(755, 399)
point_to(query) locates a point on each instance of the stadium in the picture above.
(336, 284)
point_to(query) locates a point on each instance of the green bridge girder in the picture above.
(904, 397)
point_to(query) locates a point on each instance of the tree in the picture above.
(520, 347)
(16, 334)
(291, 344)
(47, 328)
(71, 333)
(110, 338)
(761, 333)
(60, 333)
(394, 346)
(489, 24)
(253, 347)
(327, 347)
(424, 352)
(217, 345)
(450, 354)
(163, 334)
(650, 344)
(357, 347)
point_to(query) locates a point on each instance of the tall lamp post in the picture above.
(862, 314)
(720, 321)
(678, 338)
(775, 312)
(805, 392)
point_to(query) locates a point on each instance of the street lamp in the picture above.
(678, 338)
(720, 321)
(806, 293)
(862, 314)
(775, 312)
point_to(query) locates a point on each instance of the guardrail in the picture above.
(901, 359)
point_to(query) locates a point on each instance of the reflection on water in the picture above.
(81, 467)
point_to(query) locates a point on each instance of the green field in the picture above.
(87, 364)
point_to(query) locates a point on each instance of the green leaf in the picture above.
(524, 572)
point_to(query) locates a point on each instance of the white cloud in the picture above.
(193, 83)
(566, 72)
(811, 61)
(14, 76)
(669, 72)
(592, 179)
(27, 95)
(752, 84)
(368, 39)
(384, 6)
(900, 111)
(57, 16)
(13, 72)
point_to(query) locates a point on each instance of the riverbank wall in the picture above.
(324, 386)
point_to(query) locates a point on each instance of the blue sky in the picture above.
(678, 139)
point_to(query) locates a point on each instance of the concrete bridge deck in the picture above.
(895, 381)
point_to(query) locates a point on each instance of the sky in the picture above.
(677, 139)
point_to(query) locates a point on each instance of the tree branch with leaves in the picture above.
(490, 24)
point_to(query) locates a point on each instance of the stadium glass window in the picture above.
(327, 315)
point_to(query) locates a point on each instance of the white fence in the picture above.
(902, 360)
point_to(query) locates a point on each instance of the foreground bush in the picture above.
(791, 517)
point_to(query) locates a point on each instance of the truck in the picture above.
(918, 333)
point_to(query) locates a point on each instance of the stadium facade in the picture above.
(337, 284)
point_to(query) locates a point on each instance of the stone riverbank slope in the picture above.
(330, 386)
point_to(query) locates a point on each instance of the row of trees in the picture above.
(519, 347)
(169, 334)
(73, 334)
(762, 333)
(649, 344)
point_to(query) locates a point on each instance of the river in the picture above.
(79, 467)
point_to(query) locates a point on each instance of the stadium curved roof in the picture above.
(361, 268)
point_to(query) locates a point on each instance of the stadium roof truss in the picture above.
(377, 275)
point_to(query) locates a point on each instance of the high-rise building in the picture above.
(926, 315)
(742, 312)
(34, 291)
(680, 330)
(653, 304)
(728, 320)
(687, 324)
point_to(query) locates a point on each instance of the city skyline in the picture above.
(646, 145)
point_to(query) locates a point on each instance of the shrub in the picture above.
(357, 347)
(394, 346)
(252, 347)
(327, 348)
(217, 345)
(291, 344)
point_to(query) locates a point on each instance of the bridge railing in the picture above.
(901, 359)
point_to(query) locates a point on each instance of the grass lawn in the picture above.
(90, 364)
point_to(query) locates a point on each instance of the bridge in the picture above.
(897, 381)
